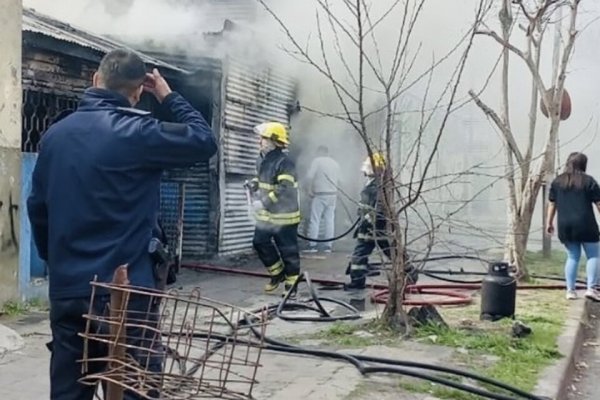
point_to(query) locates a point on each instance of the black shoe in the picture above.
(412, 275)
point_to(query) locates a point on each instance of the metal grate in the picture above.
(39, 111)
(176, 345)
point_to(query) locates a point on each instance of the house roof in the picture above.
(44, 25)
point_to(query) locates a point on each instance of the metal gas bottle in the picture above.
(498, 293)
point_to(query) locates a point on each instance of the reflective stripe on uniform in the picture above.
(266, 186)
(286, 177)
(290, 280)
(289, 178)
(278, 221)
(279, 218)
(369, 237)
(273, 197)
(355, 267)
(276, 269)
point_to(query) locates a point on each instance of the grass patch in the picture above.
(436, 390)
(16, 308)
(342, 334)
(517, 361)
(554, 265)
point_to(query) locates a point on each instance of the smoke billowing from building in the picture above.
(469, 140)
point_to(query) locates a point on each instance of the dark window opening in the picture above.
(39, 111)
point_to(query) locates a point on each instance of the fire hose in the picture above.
(454, 293)
(333, 239)
(366, 365)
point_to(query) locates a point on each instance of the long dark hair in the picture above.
(574, 173)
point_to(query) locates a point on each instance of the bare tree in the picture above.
(525, 181)
(368, 82)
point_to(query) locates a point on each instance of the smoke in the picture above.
(469, 138)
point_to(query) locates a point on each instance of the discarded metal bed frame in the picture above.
(205, 348)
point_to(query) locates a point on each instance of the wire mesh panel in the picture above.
(176, 345)
(40, 109)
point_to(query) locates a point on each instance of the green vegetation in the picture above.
(356, 335)
(15, 308)
(483, 347)
(517, 361)
(554, 265)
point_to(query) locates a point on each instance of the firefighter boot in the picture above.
(358, 278)
(412, 275)
(290, 286)
(274, 283)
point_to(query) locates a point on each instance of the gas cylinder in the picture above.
(498, 293)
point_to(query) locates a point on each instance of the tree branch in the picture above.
(506, 132)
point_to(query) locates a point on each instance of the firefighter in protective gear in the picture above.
(274, 196)
(371, 230)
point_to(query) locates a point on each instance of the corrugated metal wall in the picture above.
(252, 96)
(195, 184)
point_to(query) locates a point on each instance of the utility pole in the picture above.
(10, 147)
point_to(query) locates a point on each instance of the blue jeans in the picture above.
(573, 256)
(322, 206)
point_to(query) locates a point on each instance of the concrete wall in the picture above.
(10, 146)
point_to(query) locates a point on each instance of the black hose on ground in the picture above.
(364, 364)
(333, 239)
(324, 316)
(439, 274)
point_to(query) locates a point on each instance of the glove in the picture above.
(257, 205)
(251, 185)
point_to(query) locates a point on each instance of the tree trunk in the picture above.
(394, 315)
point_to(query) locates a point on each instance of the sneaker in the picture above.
(592, 295)
(310, 251)
(571, 295)
(274, 283)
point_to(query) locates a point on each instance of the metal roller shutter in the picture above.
(252, 96)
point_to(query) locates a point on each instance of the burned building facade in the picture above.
(204, 208)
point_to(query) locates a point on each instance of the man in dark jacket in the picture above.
(275, 203)
(95, 197)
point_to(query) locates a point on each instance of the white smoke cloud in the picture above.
(469, 137)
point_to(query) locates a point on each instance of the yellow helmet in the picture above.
(274, 131)
(378, 162)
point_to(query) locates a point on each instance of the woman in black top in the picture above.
(572, 195)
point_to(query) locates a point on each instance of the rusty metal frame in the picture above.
(207, 349)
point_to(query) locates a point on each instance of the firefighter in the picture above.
(274, 194)
(371, 230)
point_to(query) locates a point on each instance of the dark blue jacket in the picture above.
(96, 184)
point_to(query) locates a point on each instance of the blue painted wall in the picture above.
(31, 265)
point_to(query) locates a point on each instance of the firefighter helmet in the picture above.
(274, 131)
(378, 163)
